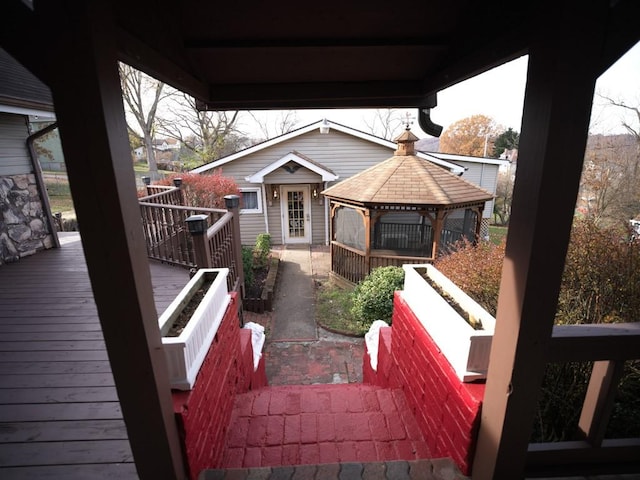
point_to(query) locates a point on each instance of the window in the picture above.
(250, 201)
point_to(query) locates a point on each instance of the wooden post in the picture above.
(80, 57)
(560, 86)
(367, 241)
(437, 232)
(232, 202)
(198, 226)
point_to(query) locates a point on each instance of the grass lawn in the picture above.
(497, 234)
(59, 193)
(333, 310)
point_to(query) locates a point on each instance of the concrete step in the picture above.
(438, 469)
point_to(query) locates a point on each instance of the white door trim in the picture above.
(306, 220)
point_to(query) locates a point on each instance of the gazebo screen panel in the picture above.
(459, 225)
(403, 231)
(349, 227)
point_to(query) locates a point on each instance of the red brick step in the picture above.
(322, 424)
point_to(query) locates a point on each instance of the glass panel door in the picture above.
(297, 218)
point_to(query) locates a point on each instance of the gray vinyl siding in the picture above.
(484, 175)
(14, 155)
(343, 154)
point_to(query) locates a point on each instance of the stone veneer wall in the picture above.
(446, 409)
(24, 227)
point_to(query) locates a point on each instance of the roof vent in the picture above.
(324, 127)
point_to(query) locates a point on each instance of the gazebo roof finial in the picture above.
(406, 139)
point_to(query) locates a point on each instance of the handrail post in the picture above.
(198, 226)
(177, 182)
(232, 202)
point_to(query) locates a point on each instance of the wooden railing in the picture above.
(353, 265)
(608, 346)
(168, 239)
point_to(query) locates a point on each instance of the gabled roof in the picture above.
(407, 180)
(20, 91)
(326, 174)
(311, 127)
(450, 157)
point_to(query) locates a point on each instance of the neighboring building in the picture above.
(281, 179)
(26, 225)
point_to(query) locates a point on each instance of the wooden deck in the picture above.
(59, 411)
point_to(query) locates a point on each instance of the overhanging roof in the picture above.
(257, 54)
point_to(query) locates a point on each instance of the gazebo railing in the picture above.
(353, 265)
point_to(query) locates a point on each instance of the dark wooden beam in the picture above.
(622, 31)
(86, 91)
(577, 343)
(563, 67)
(315, 95)
(139, 55)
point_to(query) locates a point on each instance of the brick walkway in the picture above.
(319, 424)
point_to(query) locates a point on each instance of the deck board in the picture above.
(59, 410)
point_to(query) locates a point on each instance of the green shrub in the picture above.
(262, 250)
(373, 297)
(247, 265)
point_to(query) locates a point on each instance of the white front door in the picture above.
(296, 214)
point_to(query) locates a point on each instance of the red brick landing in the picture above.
(314, 424)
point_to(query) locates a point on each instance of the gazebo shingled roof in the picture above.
(405, 179)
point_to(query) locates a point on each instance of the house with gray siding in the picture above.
(26, 225)
(282, 179)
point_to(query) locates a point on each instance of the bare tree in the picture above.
(386, 123)
(207, 134)
(142, 94)
(276, 123)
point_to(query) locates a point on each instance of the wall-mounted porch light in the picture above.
(274, 192)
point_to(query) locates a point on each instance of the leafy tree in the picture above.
(142, 94)
(473, 136)
(208, 135)
(507, 140)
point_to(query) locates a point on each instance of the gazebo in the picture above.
(403, 210)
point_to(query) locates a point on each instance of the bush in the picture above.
(262, 250)
(373, 297)
(247, 265)
(476, 269)
(207, 191)
(600, 284)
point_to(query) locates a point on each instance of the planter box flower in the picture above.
(186, 352)
(467, 349)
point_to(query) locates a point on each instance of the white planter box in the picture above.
(186, 352)
(466, 349)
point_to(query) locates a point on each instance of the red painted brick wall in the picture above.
(203, 413)
(447, 410)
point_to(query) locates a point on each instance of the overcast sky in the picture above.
(499, 94)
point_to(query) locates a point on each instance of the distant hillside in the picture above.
(429, 144)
